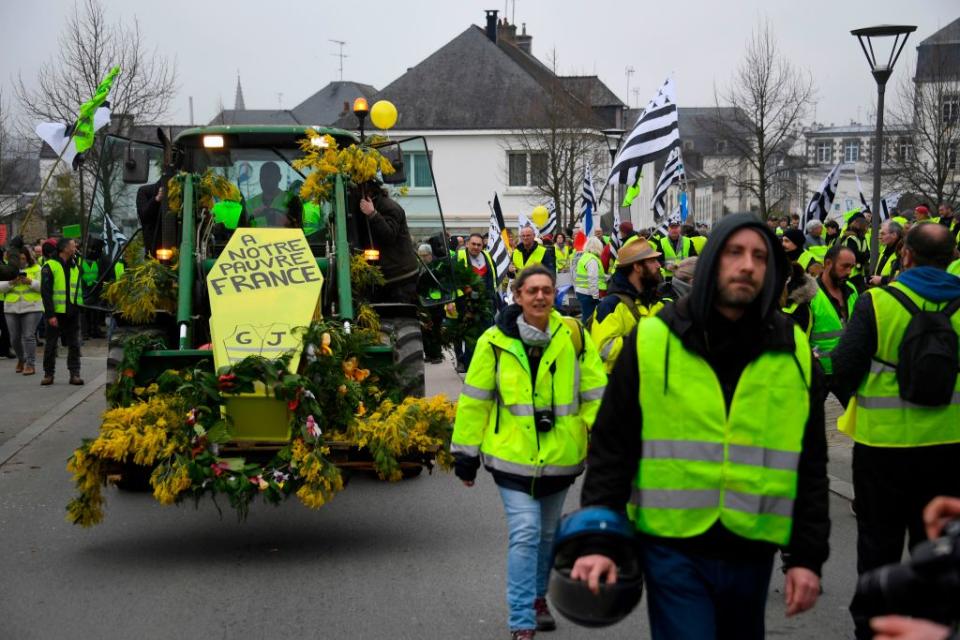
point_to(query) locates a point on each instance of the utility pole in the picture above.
(636, 96)
(340, 55)
(629, 71)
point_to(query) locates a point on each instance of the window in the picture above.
(904, 150)
(952, 158)
(851, 150)
(518, 169)
(417, 167)
(518, 163)
(825, 151)
(721, 146)
(538, 169)
(950, 108)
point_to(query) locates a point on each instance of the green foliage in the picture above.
(64, 203)
(143, 290)
(121, 392)
(474, 308)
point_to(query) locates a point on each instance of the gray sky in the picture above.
(283, 47)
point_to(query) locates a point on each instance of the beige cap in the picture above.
(635, 250)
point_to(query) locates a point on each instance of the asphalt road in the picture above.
(424, 558)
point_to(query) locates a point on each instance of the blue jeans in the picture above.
(695, 598)
(532, 524)
(587, 305)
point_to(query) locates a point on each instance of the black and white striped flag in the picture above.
(615, 235)
(495, 242)
(655, 133)
(864, 205)
(672, 173)
(588, 201)
(822, 200)
(550, 226)
(888, 203)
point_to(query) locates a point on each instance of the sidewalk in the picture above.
(23, 400)
(840, 451)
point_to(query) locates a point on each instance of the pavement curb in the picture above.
(840, 487)
(16, 444)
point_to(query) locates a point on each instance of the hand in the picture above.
(159, 195)
(940, 511)
(52, 321)
(802, 590)
(876, 281)
(467, 483)
(902, 628)
(591, 568)
(366, 206)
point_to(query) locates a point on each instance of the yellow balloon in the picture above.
(539, 215)
(383, 114)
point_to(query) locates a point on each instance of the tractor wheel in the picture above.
(411, 472)
(134, 478)
(407, 342)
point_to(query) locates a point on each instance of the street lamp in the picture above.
(881, 70)
(613, 138)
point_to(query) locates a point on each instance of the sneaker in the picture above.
(522, 634)
(29, 371)
(19, 368)
(545, 619)
(76, 380)
(47, 381)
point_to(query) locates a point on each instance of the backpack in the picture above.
(927, 364)
(576, 334)
(625, 299)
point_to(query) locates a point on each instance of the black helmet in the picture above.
(573, 598)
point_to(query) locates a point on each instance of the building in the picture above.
(322, 108)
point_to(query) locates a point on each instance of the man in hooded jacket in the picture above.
(714, 490)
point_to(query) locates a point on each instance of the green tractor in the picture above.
(207, 238)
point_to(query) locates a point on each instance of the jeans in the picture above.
(696, 598)
(68, 328)
(587, 306)
(532, 524)
(23, 336)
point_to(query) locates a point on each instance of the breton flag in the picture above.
(588, 202)
(114, 237)
(655, 133)
(888, 203)
(822, 200)
(523, 220)
(497, 244)
(615, 236)
(550, 226)
(672, 173)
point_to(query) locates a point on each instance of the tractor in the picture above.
(132, 200)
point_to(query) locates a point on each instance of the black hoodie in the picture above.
(728, 347)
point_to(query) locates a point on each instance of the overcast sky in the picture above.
(283, 52)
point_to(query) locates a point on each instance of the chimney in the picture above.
(492, 25)
(524, 41)
(507, 32)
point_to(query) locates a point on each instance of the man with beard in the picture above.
(631, 295)
(831, 309)
(855, 239)
(714, 492)
(888, 265)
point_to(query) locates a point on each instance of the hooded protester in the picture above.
(904, 453)
(801, 289)
(715, 491)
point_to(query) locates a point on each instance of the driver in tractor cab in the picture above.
(268, 208)
(381, 224)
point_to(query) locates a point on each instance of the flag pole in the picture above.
(43, 187)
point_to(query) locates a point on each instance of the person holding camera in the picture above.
(528, 401)
(22, 309)
(897, 360)
(711, 437)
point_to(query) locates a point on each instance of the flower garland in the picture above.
(174, 427)
(474, 308)
(358, 164)
(144, 289)
(211, 188)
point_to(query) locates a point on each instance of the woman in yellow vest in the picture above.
(22, 307)
(527, 403)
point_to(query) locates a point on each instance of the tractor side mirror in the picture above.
(136, 166)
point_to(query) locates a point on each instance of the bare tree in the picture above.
(566, 139)
(766, 100)
(88, 47)
(923, 157)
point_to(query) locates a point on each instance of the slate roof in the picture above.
(327, 105)
(255, 116)
(597, 93)
(20, 175)
(938, 57)
(474, 83)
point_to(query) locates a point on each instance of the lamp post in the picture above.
(613, 138)
(360, 109)
(881, 70)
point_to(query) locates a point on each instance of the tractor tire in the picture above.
(118, 339)
(409, 473)
(134, 478)
(407, 342)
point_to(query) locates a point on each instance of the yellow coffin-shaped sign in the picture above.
(265, 284)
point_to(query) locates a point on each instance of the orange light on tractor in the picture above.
(360, 106)
(371, 255)
(164, 255)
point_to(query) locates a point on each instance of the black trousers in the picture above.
(891, 487)
(68, 330)
(4, 335)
